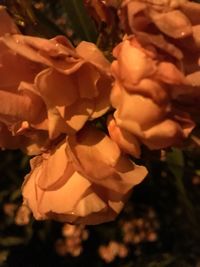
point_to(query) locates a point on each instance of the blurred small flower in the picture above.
(39, 5)
(152, 237)
(60, 247)
(105, 254)
(138, 230)
(9, 209)
(22, 216)
(71, 244)
(112, 250)
(122, 251)
(68, 229)
(196, 180)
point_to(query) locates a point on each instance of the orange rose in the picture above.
(174, 28)
(75, 84)
(142, 96)
(17, 100)
(156, 21)
(85, 180)
(173, 18)
(54, 88)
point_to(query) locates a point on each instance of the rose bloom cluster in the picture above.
(52, 95)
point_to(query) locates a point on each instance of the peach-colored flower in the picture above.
(54, 88)
(17, 100)
(156, 21)
(75, 83)
(174, 18)
(142, 96)
(83, 180)
(174, 27)
(19, 106)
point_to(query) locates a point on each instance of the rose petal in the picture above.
(174, 23)
(44, 51)
(191, 10)
(165, 134)
(128, 72)
(144, 111)
(56, 89)
(8, 62)
(55, 168)
(124, 139)
(89, 204)
(169, 73)
(92, 54)
(112, 170)
(102, 101)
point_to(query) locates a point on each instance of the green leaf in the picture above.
(175, 162)
(81, 23)
(176, 165)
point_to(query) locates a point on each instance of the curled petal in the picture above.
(10, 72)
(101, 149)
(128, 72)
(20, 107)
(55, 168)
(124, 139)
(78, 114)
(165, 134)
(160, 42)
(102, 101)
(47, 52)
(87, 78)
(196, 35)
(194, 79)
(169, 73)
(43, 203)
(136, 18)
(112, 170)
(192, 11)
(116, 94)
(92, 54)
(174, 23)
(150, 88)
(56, 88)
(144, 111)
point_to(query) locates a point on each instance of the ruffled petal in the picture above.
(124, 139)
(165, 134)
(112, 170)
(174, 23)
(56, 89)
(47, 52)
(92, 54)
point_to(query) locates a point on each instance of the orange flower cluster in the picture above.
(153, 95)
(52, 95)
